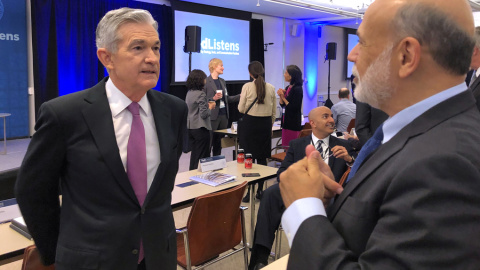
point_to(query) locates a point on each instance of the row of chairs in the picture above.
(216, 224)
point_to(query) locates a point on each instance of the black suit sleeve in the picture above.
(426, 221)
(37, 186)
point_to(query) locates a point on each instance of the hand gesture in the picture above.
(341, 152)
(309, 177)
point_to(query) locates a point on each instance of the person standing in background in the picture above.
(343, 111)
(474, 81)
(113, 150)
(220, 114)
(368, 119)
(291, 102)
(198, 121)
(255, 131)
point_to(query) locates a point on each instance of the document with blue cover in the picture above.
(213, 178)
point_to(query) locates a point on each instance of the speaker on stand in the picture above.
(193, 39)
(331, 54)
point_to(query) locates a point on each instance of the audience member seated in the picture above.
(343, 111)
(337, 155)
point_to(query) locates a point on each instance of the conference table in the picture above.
(232, 136)
(13, 244)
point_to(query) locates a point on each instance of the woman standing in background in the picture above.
(291, 101)
(220, 113)
(255, 131)
(198, 121)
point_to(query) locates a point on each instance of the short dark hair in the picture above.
(196, 80)
(296, 74)
(451, 46)
(343, 93)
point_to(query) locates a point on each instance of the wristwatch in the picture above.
(350, 164)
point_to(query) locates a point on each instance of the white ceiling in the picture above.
(296, 13)
(283, 11)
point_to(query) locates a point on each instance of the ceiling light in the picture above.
(316, 7)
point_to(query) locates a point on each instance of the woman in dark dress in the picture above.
(291, 102)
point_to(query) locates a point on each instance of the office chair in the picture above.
(215, 225)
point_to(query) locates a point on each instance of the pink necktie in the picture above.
(137, 159)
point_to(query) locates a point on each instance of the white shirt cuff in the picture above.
(298, 212)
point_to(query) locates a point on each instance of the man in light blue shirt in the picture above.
(344, 110)
(413, 202)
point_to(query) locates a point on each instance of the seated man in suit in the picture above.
(411, 200)
(337, 154)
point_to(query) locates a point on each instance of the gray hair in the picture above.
(450, 46)
(107, 30)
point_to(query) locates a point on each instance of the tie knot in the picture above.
(134, 108)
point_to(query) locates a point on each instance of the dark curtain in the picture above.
(64, 50)
(257, 52)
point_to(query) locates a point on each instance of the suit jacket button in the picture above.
(135, 251)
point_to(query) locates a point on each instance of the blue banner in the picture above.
(13, 67)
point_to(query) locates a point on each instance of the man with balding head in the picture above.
(412, 198)
(475, 66)
(344, 110)
(335, 152)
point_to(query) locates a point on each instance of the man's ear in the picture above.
(409, 50)
(105, 56)
(476, 51)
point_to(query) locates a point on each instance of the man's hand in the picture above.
(341, 152)
(309, 177)
(211, 105)
(217, 96)
(347, 136)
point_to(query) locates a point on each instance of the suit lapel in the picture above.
(162, 118)
(421, 124)
(98, 117)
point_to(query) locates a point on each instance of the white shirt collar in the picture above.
(325, 140)
(118, 101)
(394, 124)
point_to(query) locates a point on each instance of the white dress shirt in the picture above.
(122, 122)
